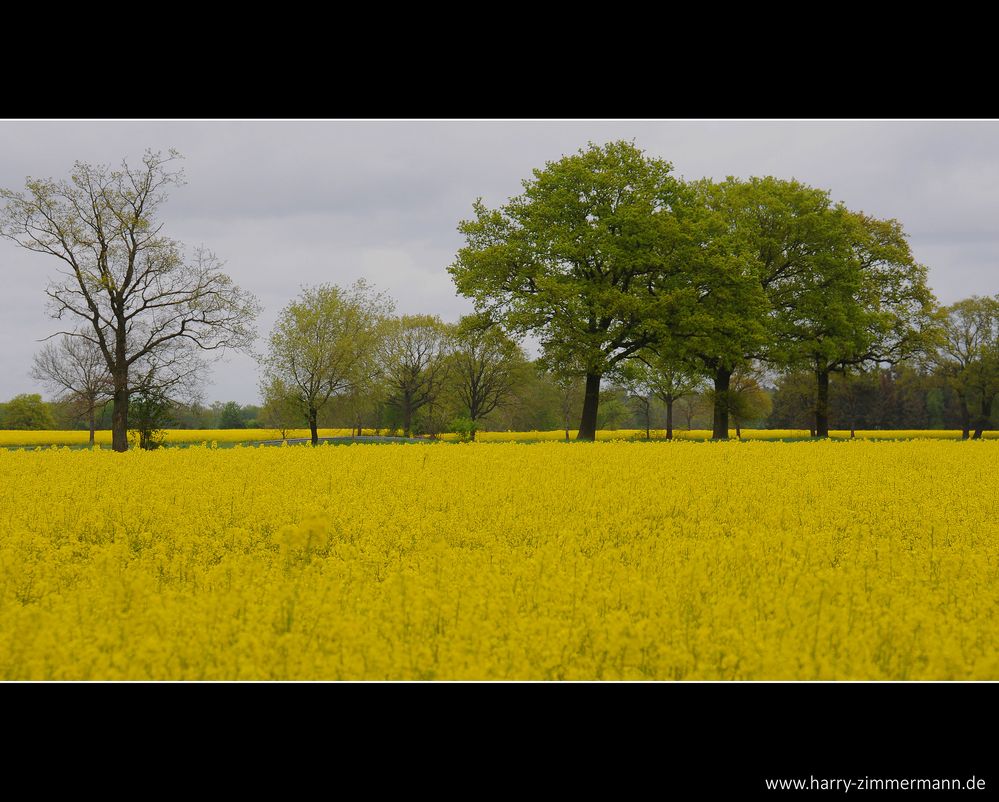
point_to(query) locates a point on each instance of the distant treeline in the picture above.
(900, 397)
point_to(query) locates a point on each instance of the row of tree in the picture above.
(335, 343)
(898, 397)
(465, 377)
(627, 276)
(610, 260)
(532, 400)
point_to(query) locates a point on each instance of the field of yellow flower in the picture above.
(684, 560)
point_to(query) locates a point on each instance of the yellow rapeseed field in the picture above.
(667, 561)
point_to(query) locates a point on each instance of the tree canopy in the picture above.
(580, 259)
(324, 344)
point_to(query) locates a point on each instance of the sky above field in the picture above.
(288, 204)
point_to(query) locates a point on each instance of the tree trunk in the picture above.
(853, 429)
(119, 415)
(669, 419)
(738, 430)
(93, 422)
(965, 417)
(822, 403)
(567, 431)
(984, 417)
(588, 423)
(313, 426)
(723, 378)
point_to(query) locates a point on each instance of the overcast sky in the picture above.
(287, 204)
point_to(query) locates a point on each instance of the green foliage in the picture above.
(765, 231)
(660, 374)
(27, 411)
(863, 299)
(614, 408)
(231, 416)
(967, 357)
(281, 410)
(793, 403)
(746, 401)
(936, 406)
(324, 344)
(465, 428)
(148, 416)
(896, 397)
(536, 404)
(192, 416)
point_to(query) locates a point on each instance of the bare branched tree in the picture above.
(570, 393)
(142, 298)
(487, 365)
(75, 370)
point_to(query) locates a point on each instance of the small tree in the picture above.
(664, 377)
(850, 393)
(362, 406)
(794, 402)
(323, 345)
(150, 411)
(465, 428)
(571, 390)
(161, 383)
(747, 399)
(614, 409)
(640, 396)
(414, 358)
(75, 369)
(486, 367)
(280, 410)
(689, 406)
